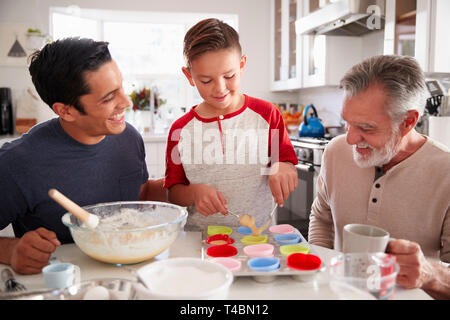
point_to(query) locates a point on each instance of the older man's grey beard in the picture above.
(378, 157)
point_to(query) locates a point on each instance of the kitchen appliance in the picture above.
(311, 125)
(344, 18)
(437, 104)
(6, 112)
(297, 207)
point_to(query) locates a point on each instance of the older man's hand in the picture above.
(415, 270)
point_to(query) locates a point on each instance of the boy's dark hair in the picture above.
(209, 35)
(57, 70)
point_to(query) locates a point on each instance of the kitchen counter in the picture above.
(188, 244)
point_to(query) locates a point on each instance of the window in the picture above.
(148, 46)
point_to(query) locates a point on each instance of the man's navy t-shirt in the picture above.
(47, 157)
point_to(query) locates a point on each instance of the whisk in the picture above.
(11, 284)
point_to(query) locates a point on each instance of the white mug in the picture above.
(364, 238)
(61, 275)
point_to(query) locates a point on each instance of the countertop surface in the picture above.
(188, 244)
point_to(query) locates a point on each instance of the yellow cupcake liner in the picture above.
(293, 248)
(213, 230)
(254, 239)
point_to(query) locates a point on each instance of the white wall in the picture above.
(253, 29)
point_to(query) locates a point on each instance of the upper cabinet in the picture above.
(286, 73)
(313, 43)
(419, 28)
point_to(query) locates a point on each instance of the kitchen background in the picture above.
(297, 51)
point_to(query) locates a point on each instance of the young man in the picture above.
(88, 153)
(386, 174)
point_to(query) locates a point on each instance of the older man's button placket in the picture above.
(374, 205)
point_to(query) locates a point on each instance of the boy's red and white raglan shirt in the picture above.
(231, 153)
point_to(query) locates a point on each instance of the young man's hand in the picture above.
(31, 252)
(283, 179)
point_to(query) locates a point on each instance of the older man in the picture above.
(386, 174)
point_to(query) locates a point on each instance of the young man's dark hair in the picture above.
(57, 70)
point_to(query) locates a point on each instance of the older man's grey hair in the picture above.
(401, 77)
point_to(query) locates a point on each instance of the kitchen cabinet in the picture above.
(419, 28)
(155, 155)
(327, 58)
(286, 59)
(303, 61)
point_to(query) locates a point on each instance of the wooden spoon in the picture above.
(90, 220)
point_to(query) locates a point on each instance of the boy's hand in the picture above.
(209, 200)
(283, 179)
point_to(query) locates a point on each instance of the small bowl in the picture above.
(282, 229)
(254, 239)
(219, 239)
(264, 264)
(184, 279)
(301, 261)
(259, 250)
(230, 263)
(289, 238)
(213, 230)
(247, 231)
(224, 250)
(293, 248)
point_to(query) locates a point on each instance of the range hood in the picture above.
(344, 18)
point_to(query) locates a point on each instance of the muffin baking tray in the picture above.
(280, 251)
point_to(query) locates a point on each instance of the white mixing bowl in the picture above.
(184, 279)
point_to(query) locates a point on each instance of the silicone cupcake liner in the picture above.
(259, 250)
(264, 264)
(213, 230)
(219, 239)
(290, 238)
(247, 231)
(282, 229)
(230, 263)
(254, 239)
(221, 251)
(294, 248)
(301, 261)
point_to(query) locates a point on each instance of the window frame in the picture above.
(189, 96)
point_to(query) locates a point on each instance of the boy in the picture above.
(211, 163)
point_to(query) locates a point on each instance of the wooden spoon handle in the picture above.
(69, 205)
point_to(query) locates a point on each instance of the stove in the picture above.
(309, 151)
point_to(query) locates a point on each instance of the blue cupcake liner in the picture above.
(288, 238)
(264, 264)
(246, 231)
